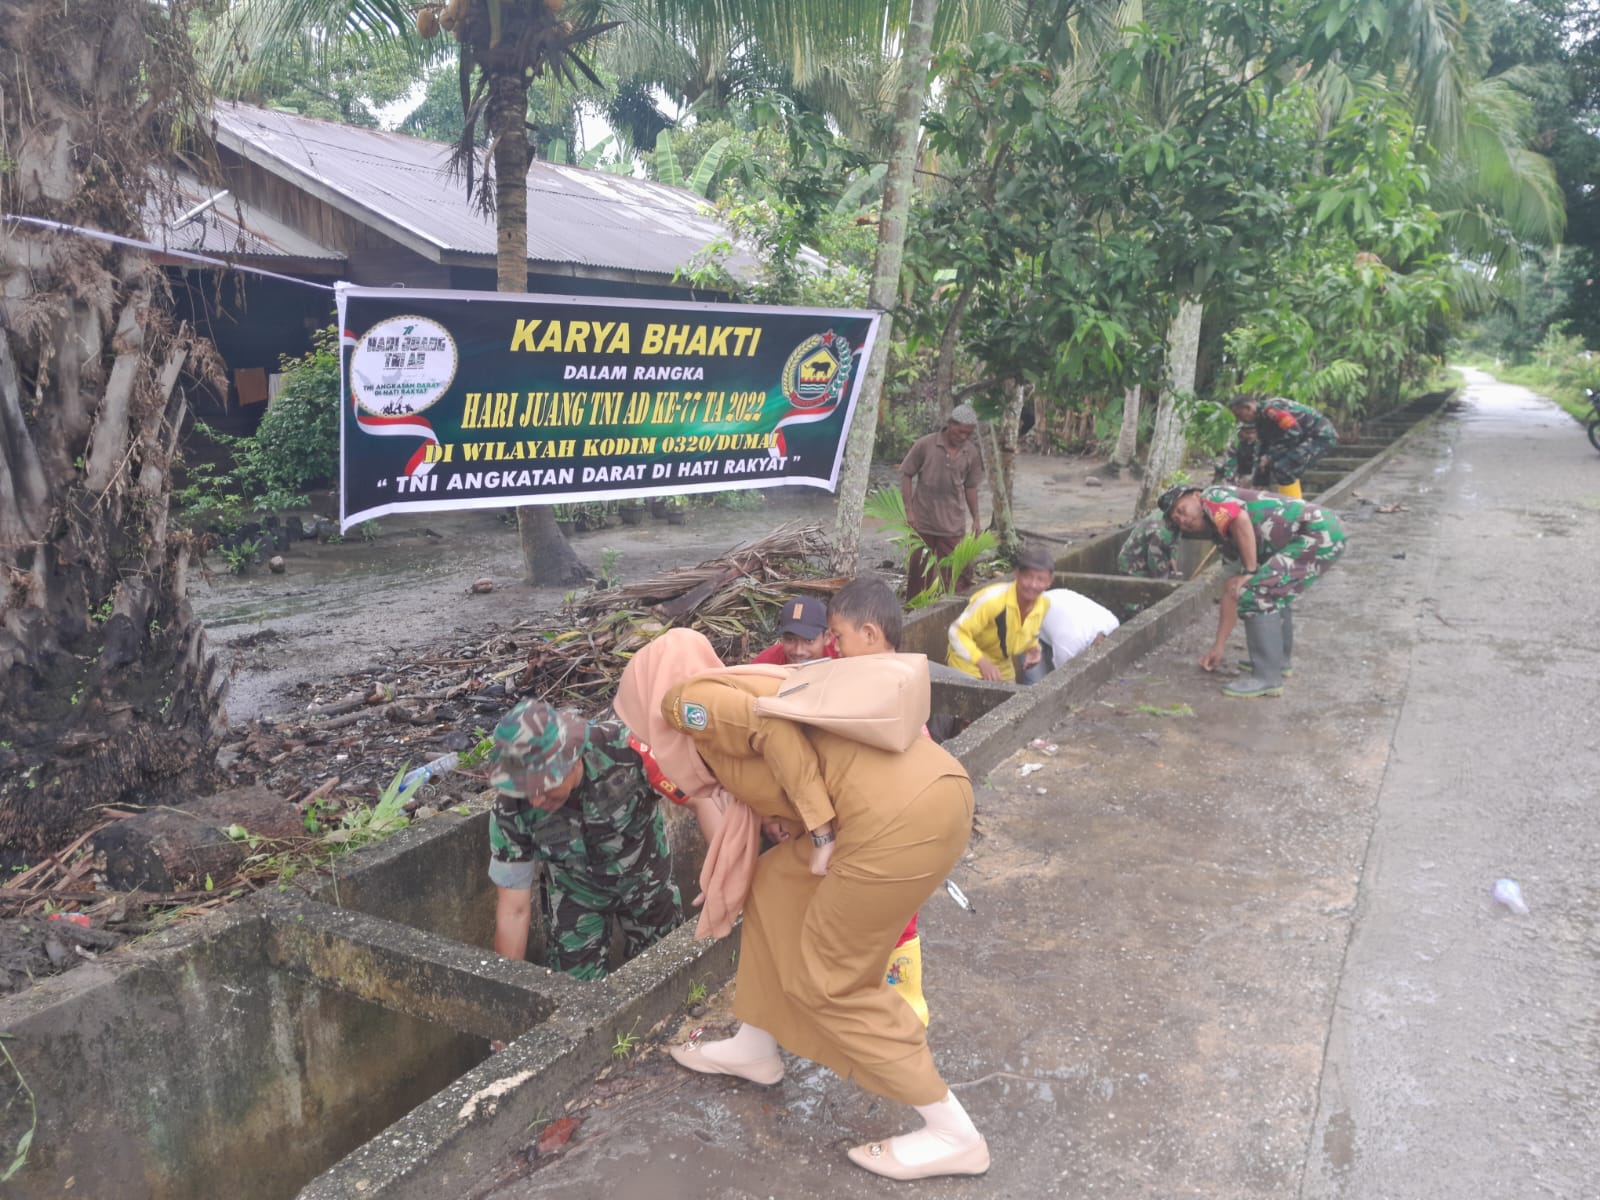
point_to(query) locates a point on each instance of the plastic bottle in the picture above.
(418, 776)
(1508, 893)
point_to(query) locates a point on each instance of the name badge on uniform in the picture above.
(694, 715)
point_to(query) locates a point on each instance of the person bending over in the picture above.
(1283, 546)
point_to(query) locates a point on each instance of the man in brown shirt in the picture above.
(939, 479)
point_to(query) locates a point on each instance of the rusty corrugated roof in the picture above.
(401, 185)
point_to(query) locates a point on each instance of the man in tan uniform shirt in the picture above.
(939, 480)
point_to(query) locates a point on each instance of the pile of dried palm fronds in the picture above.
(733, 600)
(355, 732)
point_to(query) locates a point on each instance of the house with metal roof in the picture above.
(320, 201)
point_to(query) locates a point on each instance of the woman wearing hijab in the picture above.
(872, 833)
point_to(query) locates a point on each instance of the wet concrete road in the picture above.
(1245, 949)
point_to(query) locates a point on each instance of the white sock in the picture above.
(749, 1045)
(947, 1128)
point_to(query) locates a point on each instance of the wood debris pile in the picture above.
(357, 731)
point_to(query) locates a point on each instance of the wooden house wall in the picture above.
(375, 260)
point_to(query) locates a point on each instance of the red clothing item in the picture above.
(911, 931)
(774, 654)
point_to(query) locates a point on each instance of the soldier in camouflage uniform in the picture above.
(1241, 466)
(1150, 550)
(1291, 438)
(575, 795)
(1283, 546)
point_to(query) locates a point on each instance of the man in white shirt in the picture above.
(1072, 624)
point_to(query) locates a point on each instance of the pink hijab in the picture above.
(675, 657)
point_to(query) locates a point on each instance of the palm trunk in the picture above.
(1128, 435)
(107, 690)
(884, 291)
(1167, 442)
(546, 555)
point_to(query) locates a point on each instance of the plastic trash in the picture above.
(959, 896)
(1508, 893)
(1029, 768)
(415, 778)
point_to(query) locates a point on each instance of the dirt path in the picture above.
(356, 605)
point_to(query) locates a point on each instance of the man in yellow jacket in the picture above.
(1002, 621)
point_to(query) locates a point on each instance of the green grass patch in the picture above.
(1171, 710)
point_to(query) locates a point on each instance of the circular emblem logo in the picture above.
(401, 366)
(817, 372)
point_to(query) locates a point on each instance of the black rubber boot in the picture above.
(1263, 633)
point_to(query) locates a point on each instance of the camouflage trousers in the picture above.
(1295, 567)
(577, 919)
(1290, 463)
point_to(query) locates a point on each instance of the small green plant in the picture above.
(889, 506)
(101, 613)
(625, 1043)
(479, 754)
(19, 1152)
(369, 531)
(363, 825)
(609, 575)
(697, 994)
(240, 557)
(1171, 710)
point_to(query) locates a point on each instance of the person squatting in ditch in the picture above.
(802, 634)
(872, 833)
(575, 796)
(1151, 549)
(1001, 621)
(1283, 546)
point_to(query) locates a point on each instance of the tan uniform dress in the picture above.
(811, 959)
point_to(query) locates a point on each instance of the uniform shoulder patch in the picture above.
(694, 715)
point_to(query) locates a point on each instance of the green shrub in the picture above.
(297, 443)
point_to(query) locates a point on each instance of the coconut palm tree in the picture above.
(107, 690)
(504, 44)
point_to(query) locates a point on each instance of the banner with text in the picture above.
(487, 399)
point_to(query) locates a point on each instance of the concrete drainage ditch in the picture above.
(335, 1041)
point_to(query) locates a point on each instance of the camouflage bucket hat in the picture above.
(536, 747)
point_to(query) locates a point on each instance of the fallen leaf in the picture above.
(556, 1134)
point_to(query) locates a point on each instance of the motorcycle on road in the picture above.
(1594, 421)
